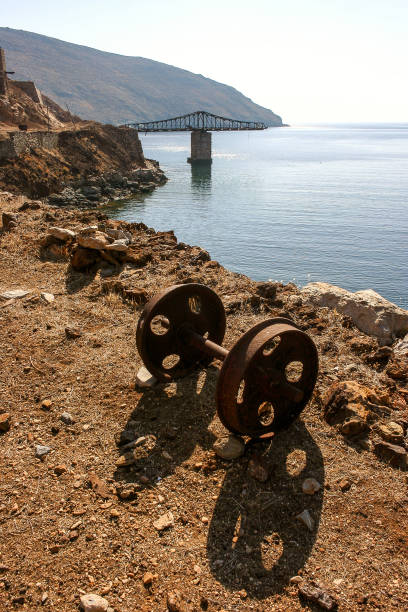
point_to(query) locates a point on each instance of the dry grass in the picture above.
(235, 542)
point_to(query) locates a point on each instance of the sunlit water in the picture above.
(323, 203)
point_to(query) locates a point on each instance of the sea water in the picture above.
(309, 203)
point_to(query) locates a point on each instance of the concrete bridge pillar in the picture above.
(200, 147)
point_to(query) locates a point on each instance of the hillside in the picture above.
(117, 89)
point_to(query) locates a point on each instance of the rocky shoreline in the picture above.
(109, 186)
(136, 494)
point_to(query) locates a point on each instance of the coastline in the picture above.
(89, 371)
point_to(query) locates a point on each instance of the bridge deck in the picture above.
(200, 120)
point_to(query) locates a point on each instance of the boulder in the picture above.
(392, 454)
(93, 240)
(120, 245)
(352, 407)
(369, 311)
(61, 233)
(391, 432)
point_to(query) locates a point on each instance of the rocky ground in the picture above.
(92, 164)
(116, 490)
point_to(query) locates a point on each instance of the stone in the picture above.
(306, 518)
(60, 469)
(394, 455)
(9, 221)
(117, 234)
(391, 432)
(257, 469)
(267, 290)
(99, 486)
(126, 491)
(94, 603)
(317, 595)
(47, 297)
(148, 579)
(310, 486)
(164, 521)
(118, 245)
(229, 447)
(41, 451)
(93, 239)
(296, 579)
(72, 333)
(82, 259)
(4, 422)
(369, 311)
(144, 379)
(401, 348)
(14, 294)
(398, 369)
(46, 405)
(345, 484)
(61, 233)
(351, 406)
(67, 418)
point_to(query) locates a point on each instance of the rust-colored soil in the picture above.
(235, 542)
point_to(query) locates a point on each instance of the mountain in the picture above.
(116, 88)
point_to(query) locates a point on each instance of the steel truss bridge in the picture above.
(200, 120)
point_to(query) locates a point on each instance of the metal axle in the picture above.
(208, 347)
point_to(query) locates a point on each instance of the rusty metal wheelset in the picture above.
(267, 377)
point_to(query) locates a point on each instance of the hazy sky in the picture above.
(307, 60)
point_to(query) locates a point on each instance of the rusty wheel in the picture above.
(267, 378)
(160, 328)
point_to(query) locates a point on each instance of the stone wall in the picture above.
(29, 88)
(22, 142)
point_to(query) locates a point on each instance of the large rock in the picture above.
(370, 312)
(93, 240)
(352, 407)
(61, 233)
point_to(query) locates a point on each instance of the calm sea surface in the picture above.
(323, 203)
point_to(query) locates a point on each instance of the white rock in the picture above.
(48, 297)
(14, 294)
(41, 451)
(164, 522)
(229, 447)
(370, 312)
(306, 519)
(145, 379)
(118, 245)
(93, 240)
(94, 603)
(401, 348)
(61, 233)
(310, 486)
